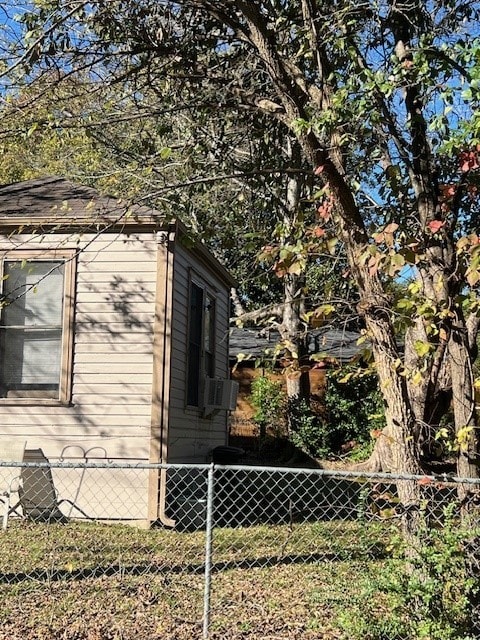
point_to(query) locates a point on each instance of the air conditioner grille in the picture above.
(220, 394)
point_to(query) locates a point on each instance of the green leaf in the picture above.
(422, 348)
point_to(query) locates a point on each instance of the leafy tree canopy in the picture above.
(382, 101)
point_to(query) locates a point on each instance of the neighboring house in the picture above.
(338, 345)
(113, 324)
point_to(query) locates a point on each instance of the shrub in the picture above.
(353, 408)
(269, 402)
(306, 430)
(425, 595)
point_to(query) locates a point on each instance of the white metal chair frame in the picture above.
(11, 451)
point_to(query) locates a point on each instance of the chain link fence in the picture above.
(255, 552)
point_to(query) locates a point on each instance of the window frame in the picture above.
(68, 257)
(207, 359)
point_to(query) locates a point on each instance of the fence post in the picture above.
(208, 552)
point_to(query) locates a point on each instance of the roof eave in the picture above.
(206, 256)
(66, 224)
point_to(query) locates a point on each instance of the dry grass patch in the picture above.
(86, 581)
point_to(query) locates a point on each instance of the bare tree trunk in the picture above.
(293, 334)
(292, 328)
(238, 309)
(463, 396)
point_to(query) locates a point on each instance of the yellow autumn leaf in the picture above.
(463, 437)
(422, 348)
(417, 378)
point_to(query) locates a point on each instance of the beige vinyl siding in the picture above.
(91, 399)
(94, 345)
(122, 495)
(115, 370)
(192, 437)
(136, 357)
(110, 416)
(115, 308)
(103, 281)
(30, 414)
(91, 389)
(112, 363)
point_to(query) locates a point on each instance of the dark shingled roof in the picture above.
(333, 343)
(57, 200)
(54, 204)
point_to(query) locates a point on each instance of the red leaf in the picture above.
(468, 161)
(472, 190)
(424, 481)
(324, 210)
(319, 170)
(435, 225)
(447, 191)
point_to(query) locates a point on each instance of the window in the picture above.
(209, 336)
(201, 341)
(35, 327)
(194, 344)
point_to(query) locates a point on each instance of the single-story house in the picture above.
(114, 342)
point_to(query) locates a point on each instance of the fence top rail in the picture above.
(107, 464)
(359, 476)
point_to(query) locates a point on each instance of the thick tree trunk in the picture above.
(463, 399)
(417, 389)
(395, 451)
(293, 335)
(328, 162)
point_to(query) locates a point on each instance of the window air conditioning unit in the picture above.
(220, 394)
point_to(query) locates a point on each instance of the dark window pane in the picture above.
(209, 337)
(194, 345)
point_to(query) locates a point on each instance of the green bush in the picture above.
(276, 416)
(269, 402)
(353, 408)
(425, 597)
(306, 431)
